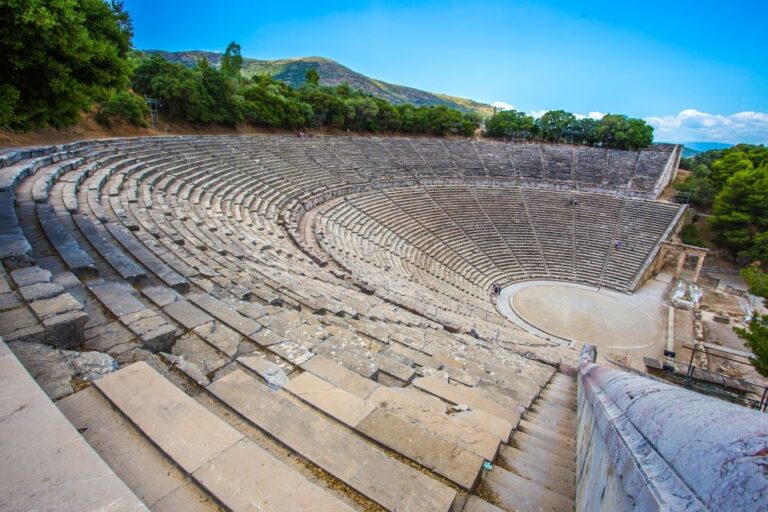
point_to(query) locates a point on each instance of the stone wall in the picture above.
(647, 445)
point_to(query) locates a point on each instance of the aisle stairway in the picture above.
(537, 470)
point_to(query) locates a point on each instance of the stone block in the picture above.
(65, 330)
(40, 291)
(30, 275)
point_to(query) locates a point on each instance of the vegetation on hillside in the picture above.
(204, 94)
(612, 131)
(294, 71)
(733, 184)
(58, 57)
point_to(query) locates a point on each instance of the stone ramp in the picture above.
(53, 467)
(365, 468)
(237, 472)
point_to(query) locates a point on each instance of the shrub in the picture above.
(124, 105)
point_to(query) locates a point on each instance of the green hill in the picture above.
(292, 71)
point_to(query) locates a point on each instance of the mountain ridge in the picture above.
(332, 73)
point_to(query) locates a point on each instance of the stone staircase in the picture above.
(327, 438)
(536, 471)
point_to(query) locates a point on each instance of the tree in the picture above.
(58, 57)
(756, 339)
(312, 76)
(729, 164)
(553, 124)
(232, 61)
(622, 132)
(740, 211)
(510, 123)
(756, 279)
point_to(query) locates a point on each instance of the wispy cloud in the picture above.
(691, 125)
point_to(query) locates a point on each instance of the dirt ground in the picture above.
(88, 128)
(627, 326)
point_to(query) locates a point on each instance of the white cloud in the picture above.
(691, 125)
(502, 105)
(536, 114)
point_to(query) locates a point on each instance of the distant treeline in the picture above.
(612, 131)
(63, 58)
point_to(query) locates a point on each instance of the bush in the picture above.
(124, 105)
(691, 236)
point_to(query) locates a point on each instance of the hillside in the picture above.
(292, 71)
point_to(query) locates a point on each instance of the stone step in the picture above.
(540, 449)
(564, 379)
(435, 419)
(492, 403)
(561, 389)
(153, 330)
(543, 434)
(368, 470)
(146, 471)
(46, 464)
(516, 493)
(551, 423)
(552, 400)
(382, 424)
(139, 251)
(240, 474)
(229, 316)
(542, 406)
(340, 376)
(114, 255)
(475, 504)
(555, 478)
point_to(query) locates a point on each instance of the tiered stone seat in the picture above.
(376, 365)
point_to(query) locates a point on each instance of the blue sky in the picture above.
(696, 70)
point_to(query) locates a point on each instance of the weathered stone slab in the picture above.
(292, 351)
(118, 298)
(9, 301)
(140, 465)
(422, 446)
(65, 330)
(187, 314)
(226, 314)
(113, 254)
(30, 275)
(50, 307)
(266, 337)
(435, 420)
(491, 403)
(182, 428)
(199, 353)
(111, 337)
(40, 291)
(274, 374)
(337, 403)
(246, 477)
(16, 319)
(351, 354)
(162, 295)
(340, 376)
(47, 366)
(366, 469)
(139, 251)
(220, 336)
(53, 468)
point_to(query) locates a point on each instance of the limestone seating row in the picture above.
(36, 309)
